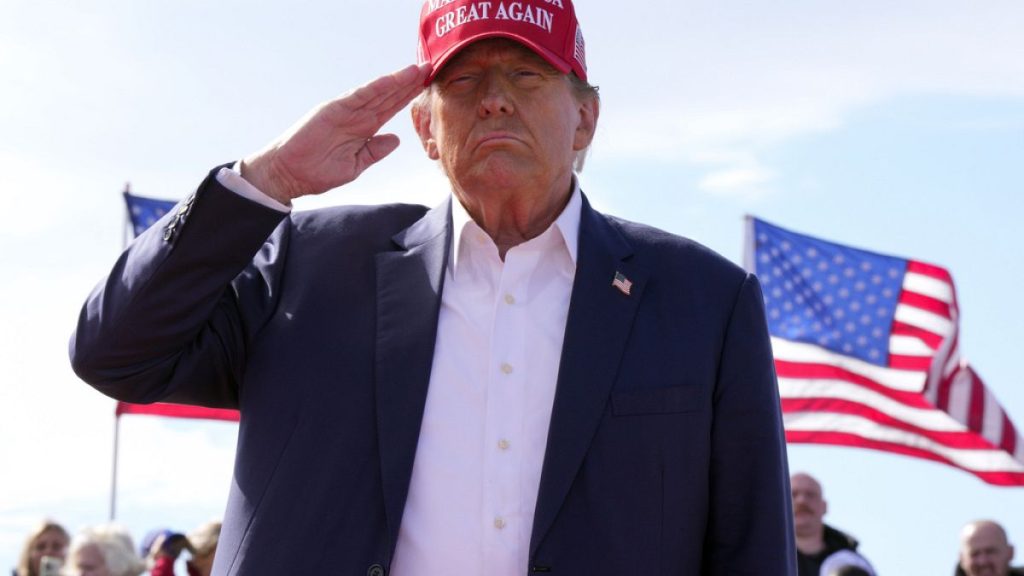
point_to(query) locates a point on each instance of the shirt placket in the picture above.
(506, 400)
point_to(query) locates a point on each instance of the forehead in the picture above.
(51, 535)
(985, 536)
(805, 483)
(89, 554)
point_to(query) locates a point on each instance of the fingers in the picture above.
(374, 150)
(388, 94)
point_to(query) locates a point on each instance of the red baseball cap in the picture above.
(548, 27)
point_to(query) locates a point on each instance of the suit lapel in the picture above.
(596, 332)
(409, 283)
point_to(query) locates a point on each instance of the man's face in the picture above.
(808, 505)
(984, 551)
(500, 117)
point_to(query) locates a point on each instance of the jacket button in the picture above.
(375, 570)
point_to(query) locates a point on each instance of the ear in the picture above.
(422, 124)
(589, 109)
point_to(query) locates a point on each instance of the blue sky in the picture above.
(896, 128)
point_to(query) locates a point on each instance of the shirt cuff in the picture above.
(231, 178)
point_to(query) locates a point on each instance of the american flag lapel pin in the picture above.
(622, 283)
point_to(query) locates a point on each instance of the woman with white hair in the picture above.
(104, 550)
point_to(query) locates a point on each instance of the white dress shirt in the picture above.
(485, 425)
(481, 447)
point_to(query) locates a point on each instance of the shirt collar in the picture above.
(567, 224)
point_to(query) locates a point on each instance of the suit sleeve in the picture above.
(172, 319)
(751, 524)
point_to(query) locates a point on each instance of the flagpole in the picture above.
(126, 235)
(113, 479)
(125, 239)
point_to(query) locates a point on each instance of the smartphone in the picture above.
(50, 566)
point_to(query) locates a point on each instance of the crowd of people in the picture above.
(822, 550)
(109, 550)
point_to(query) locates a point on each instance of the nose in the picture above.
(495, 99)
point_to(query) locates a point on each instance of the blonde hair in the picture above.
(204, 538)
(25, 567)
(115, 545)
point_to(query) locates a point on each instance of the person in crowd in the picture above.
(985, 550)
(48, 539)
(815, 540)
(203, 547)
(161, 549)
(510, 383)
(103, 550)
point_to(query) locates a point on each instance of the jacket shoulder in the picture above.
(655, 248)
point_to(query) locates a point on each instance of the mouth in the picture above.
(497, 138)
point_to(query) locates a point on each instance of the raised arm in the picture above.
(336, 141)
(173, 319)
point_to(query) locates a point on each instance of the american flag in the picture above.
(143, 212)
(867, 354)
(580, 50)
(622, 283)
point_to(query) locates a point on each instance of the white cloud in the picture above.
(748, 181)
(720, 79)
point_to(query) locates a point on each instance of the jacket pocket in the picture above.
(669, 400)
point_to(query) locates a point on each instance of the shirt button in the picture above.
(499, 522)
(504, 444)
(510, 299)
(506, 368)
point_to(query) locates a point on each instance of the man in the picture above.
(509, 383)
(985, 551)
(820, 547)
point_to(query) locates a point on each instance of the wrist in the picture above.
(258, 171)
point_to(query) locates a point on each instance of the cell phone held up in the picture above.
(50, 566)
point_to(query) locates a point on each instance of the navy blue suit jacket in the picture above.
(665, 455)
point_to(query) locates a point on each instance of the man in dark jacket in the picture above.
(815, 540)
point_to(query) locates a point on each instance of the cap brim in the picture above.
(548, 56)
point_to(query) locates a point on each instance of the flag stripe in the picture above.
(976, 411)
(909, 346)
(177, 411)
(975, 460)
(931, 270)
(929, 286)
(932, 339)
(927, 303)
(922, 417)
(830, 408)
(923, 319)
(992, 424)
(823, 372)
(910, 362)
(1009, 442)
(997, 478)
(789, 355)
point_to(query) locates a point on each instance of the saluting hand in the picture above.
(336, 141)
